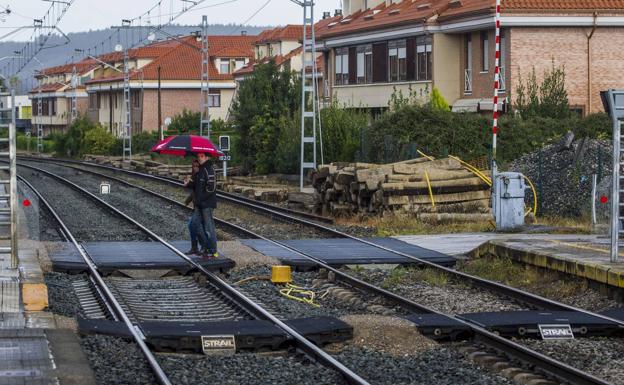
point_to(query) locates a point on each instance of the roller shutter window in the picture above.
(485, 52)
(380, 63)
(424, 62)
(341, 66)
(364, 64)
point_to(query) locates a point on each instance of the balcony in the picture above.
(468, 80)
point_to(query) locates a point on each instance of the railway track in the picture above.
(544, 364)
(112, 291)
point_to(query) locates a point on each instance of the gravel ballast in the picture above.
(449, 298)
(61, 296)
(599, 356)
(167, 220)
(259, 222)
(85, 219)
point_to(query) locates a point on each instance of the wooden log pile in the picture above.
(421, 185)
(144, 163)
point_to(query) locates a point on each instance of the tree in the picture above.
(548, 99)
(185, 122)
(437, 101)
(264, 98)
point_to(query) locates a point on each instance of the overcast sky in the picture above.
(97, 14)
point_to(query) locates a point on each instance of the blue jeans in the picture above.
(192, 232)
(204, 228)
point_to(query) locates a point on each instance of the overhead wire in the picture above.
(250, 17)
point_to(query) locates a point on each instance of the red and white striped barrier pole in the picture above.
(495, 103)
(496, 82)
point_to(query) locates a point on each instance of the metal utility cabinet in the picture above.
(509, 200)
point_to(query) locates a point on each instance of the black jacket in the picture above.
(204, 186)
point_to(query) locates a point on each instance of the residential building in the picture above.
(22, 111)
(282, 45)
(165, 78)
(380, 46)
(55, 93)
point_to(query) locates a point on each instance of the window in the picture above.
(502, 48)
(99, 100)
(45, 107)
(393, 62)
(52, 106)
(136, 99)
(224, 67)
(468, 51)
(424, 59)
(364, 64)
(397, 61)
(240, 63)
(342, 66)
(214, 100)
(92, 101)
(485, 51)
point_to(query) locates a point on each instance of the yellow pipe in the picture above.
(534, 195)
(429, 186)
(423, 154)
(474, 170)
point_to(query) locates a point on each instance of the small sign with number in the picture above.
(556, 332)
(218, 344)
(225, 157)
(104, 188)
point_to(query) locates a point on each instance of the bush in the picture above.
(98, 141)
(434, 132)
(342, 132)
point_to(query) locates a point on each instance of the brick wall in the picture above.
(174, 101)
(483, 81)
(534, 47)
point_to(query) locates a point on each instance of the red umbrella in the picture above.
(182, 145)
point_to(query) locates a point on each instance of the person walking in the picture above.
(205, 201)
(191, 226)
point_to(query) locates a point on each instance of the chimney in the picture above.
(338, 12)
(243, 33)
(326, 15)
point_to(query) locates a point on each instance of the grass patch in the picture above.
(567, 225)
(540, 281)
(402, 275)
(405, 224)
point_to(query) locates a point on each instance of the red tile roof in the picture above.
(278, 59)
(419, 11)
(183, 62)
(82, 66)
(288, 32)
(51, 87)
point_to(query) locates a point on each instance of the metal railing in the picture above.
(468, 80)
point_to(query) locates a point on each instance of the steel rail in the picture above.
(548, 365)
(236, 296)
(160, 375)
(512, 292)
(176, 182)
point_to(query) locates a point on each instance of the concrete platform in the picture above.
(32, 351)
(585, 256)
(341, 251)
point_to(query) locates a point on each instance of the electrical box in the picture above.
(509, 200)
